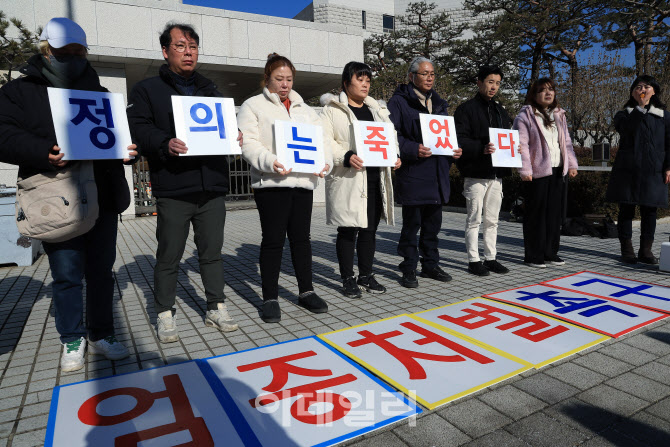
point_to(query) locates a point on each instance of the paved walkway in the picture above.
(617, 393)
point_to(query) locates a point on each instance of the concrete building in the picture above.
(124, 49)
(373, 16)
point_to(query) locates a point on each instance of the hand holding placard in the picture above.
(506, 143)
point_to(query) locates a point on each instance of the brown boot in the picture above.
(645, 255)
(627, 251)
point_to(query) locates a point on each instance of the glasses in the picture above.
(180, 47)
(427, 74)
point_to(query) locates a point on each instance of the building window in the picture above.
(389, 23)
(364, 25)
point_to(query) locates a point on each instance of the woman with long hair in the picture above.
(283, 198)
(547, 159)
(356, 195)
(641, 170)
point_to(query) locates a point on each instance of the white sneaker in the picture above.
(73, 355)
(110, 347)
(221, 319)
(166, 327)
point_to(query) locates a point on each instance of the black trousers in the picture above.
(428, 220)
(542, 216)
(285, 211)
(207, 212)
(625, 221)
(366, 243)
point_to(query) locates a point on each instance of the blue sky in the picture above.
(277, 8)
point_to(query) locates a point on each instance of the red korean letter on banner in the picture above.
(183, 413)
(309, 393)
(376, 140)
(537, 331)
(508, 147)
(407, 357)
(437, 128)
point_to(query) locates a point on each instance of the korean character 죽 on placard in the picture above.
(299, 146)
(376, 143)
(438, 133)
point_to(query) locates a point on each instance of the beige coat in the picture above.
(256, 120)
(346, 188)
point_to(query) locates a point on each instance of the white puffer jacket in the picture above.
(346, 188)
(256, 120)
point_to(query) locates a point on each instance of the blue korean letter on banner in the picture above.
(299, 146)
(207, 126)
(90, 125)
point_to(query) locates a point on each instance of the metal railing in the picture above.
(239, 179)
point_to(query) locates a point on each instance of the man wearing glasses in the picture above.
(423, 178)
(187, 189)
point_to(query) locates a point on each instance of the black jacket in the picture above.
(472, 122)
(642, 158)
(27, 133)
(152, 126)
(420, 181)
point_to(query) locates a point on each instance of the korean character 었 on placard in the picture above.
(185, 420)
(207, 119)
(438, 127)
(84, 113)
(308, 394)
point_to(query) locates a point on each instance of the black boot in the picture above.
(627, 251)
(645, 255)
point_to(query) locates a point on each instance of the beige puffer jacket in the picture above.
(256, 120)
(346, 188)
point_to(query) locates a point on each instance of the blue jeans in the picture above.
(89, 256)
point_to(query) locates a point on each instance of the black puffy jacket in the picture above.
(152, 126)
(472, 127)
(27, 132)
(643, 157)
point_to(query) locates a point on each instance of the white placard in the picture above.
(299, 146)
(163, 406)
(651, 296)
(376, 143)
(529, 336)
(598, 314)
(90, 125)
(417, 357)
(506, 142)
(439, 133)
(303, 393)
(206, 125)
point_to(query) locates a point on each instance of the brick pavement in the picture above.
(616, 393)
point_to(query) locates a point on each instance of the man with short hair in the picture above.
(187, 189)
(482, 181)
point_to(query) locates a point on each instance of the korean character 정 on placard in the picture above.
(202, 115)
(100, 136)
(185, 420)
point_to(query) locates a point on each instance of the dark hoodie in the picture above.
(420, 181)
(27, 132)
